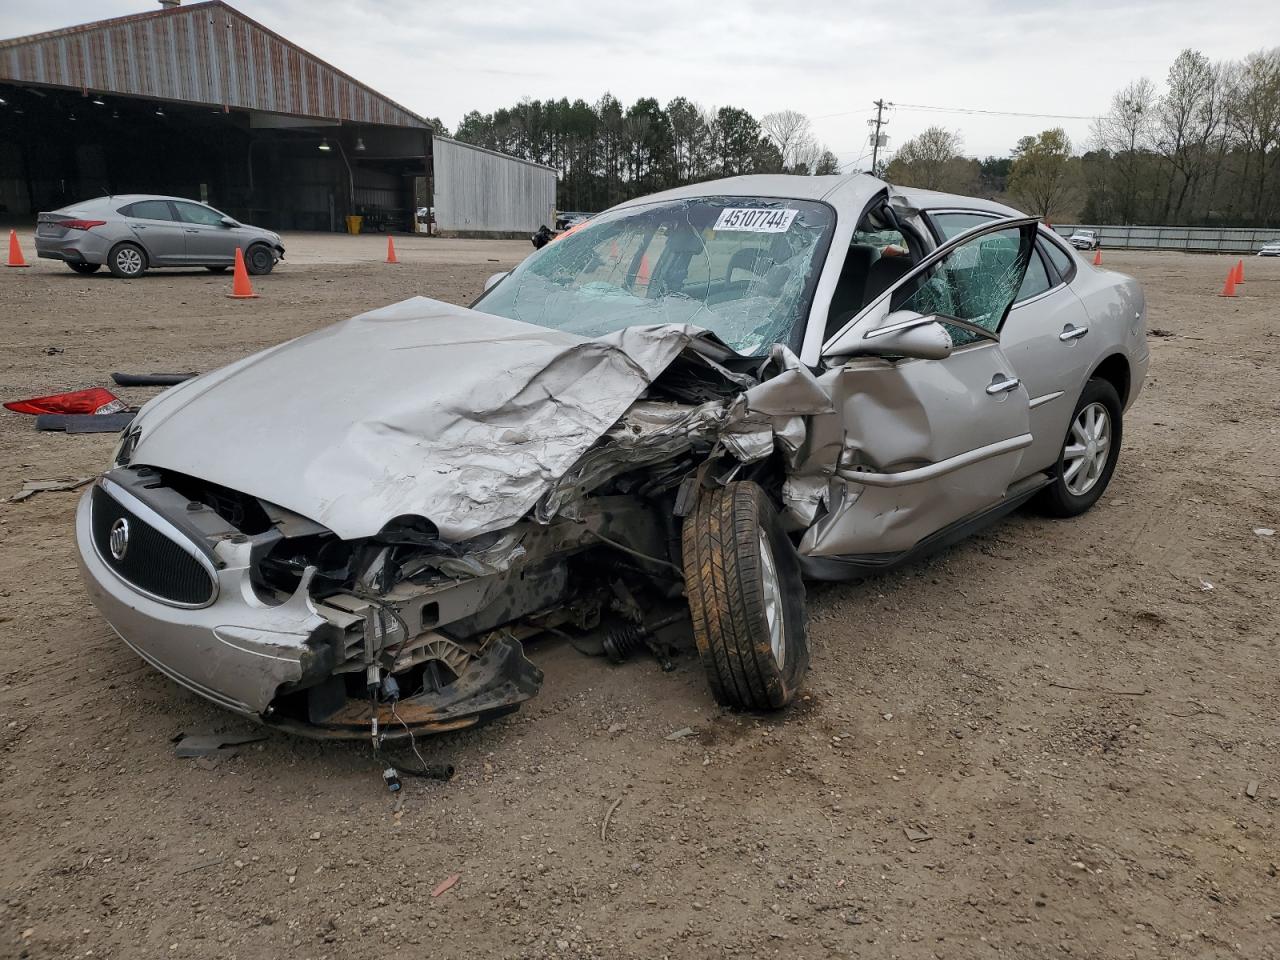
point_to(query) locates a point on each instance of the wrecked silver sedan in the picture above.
(658, 425)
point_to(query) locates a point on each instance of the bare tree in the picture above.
(790, 132)
(1253, 111)
(932, 160)
(1188, 118)
(1125, 132)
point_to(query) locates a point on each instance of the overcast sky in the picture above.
(826, 58)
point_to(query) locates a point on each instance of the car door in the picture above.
(210, 241)
(1044, 336)
(154, 224)
(919, 446)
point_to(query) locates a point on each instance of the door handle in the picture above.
(1071, 332)
(1002, 384)
(191, 230)
(138, 226)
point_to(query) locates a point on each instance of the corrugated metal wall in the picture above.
(202, 53)
(1190, 239)
(479, 191)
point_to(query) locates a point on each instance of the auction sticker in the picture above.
(755, 219)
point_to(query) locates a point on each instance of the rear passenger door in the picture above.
(210, 242)
(1043, 337)
(155, 226)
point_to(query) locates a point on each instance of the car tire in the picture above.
(1098, 411)
(217, 268)
(259, 259)
(81, 267)
(746, 598)
(127, 261)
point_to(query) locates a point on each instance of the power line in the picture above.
(993, 113)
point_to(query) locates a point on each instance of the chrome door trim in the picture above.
(934, 470)
(1047, 398)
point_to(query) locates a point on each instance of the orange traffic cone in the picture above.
(1229, 288)
(15, 252)
(391, 251)
(642, 275)
(241, 289)
(1239, 271)
(1097, 258)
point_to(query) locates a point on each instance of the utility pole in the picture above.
(876, 140)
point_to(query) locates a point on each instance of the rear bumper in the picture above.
(79, 247)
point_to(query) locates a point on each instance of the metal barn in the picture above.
(204, 102)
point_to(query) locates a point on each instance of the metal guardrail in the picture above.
(1190, 239)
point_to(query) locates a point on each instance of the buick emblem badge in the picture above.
(119, 540)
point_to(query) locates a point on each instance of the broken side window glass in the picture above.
(976, 282)
(741, 267)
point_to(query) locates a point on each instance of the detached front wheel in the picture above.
(746, 598)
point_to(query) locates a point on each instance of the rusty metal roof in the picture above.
(208, 53)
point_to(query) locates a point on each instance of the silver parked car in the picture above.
(131, 233)
(656, 426)
(1270, 249)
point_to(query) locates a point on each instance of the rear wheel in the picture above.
(1089, 452)
(259, 259)
(81, 267)
(127, 260)
(746, 598)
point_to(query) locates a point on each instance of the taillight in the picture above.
(80, 224)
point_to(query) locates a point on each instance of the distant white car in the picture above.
(1084, 240)
(1270, 249)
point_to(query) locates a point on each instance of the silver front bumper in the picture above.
(236, 652)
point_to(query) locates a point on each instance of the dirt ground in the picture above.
(1066, 709)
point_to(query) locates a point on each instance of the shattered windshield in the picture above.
(741, 267)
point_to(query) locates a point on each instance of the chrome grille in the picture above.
(149, 560)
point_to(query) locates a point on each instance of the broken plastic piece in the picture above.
(86, 422)
(151, 379)
(95, 400)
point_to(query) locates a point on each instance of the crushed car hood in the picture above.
(419, 408)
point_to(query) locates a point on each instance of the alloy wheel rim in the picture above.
(128, 260)
(773, 603)
(1088, 446)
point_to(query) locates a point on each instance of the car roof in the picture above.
(843, 191)
(116, 199)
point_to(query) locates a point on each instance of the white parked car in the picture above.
(1085, 240)
(1270, 249)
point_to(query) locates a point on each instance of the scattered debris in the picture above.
(31, 487)
(917, 834)
(95, 400)
(1206, 586)
(616, 728)
(86, 422)
(1103, 690)
(200, 866)
(1160, 332)
(604, 826)
(53, 351)
(1251, 791)
(681, 733)
(1264, 531)
(151, 379)
(446, 884)
(209, 744)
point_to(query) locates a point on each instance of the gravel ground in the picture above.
(1037, 744)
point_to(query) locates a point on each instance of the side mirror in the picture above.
(229, 222)
(494, 280)
(904, 334)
